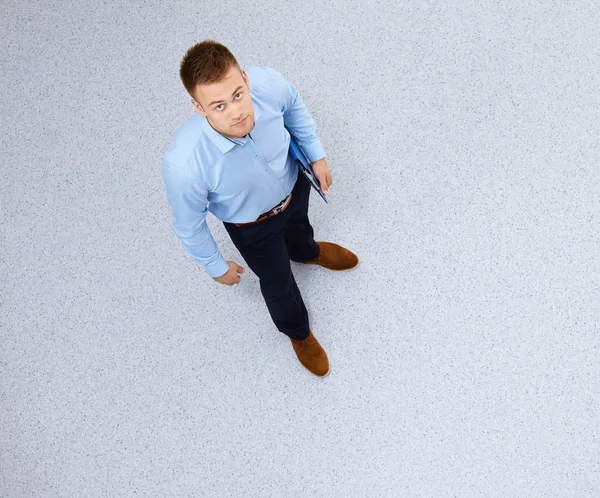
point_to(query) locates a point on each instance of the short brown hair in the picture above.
(206, 62)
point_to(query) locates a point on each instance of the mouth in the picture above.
(241, 122)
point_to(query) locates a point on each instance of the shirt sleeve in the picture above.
(189, 204)
(296, 118)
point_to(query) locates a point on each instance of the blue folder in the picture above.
(304, 166)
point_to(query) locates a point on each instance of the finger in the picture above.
(240, 269)
(322, 182)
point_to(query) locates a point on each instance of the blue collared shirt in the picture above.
(236, 179)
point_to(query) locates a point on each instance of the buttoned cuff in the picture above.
(217, 269)
(314, 150)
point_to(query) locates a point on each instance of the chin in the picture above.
(242, 130)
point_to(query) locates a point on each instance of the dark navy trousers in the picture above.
(267, 248)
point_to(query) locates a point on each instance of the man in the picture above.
(232, 159)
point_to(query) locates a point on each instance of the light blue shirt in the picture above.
(236, 179)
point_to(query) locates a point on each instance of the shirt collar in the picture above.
(223, 143)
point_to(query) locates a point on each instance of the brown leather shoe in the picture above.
(335, 257)
(312, 356)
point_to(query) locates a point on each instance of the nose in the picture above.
(238, 112)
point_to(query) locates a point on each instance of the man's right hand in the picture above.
(231, 277)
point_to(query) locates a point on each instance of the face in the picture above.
(226, 103)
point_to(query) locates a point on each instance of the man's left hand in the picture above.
(321, 171)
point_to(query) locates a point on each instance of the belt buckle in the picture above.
(279, 209)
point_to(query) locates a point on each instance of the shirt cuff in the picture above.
(219, 268)
(314, 151)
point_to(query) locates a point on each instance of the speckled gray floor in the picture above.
(464, 147)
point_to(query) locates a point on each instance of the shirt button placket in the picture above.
(267, 171)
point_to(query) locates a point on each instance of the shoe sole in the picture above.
(331, 269)
(316, 375)
(348, 269)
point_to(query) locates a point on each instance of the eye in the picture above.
(217, 108)
(240, 94)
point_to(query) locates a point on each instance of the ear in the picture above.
(198, 107)
(245, 78)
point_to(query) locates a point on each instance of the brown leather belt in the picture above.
(280, 208)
